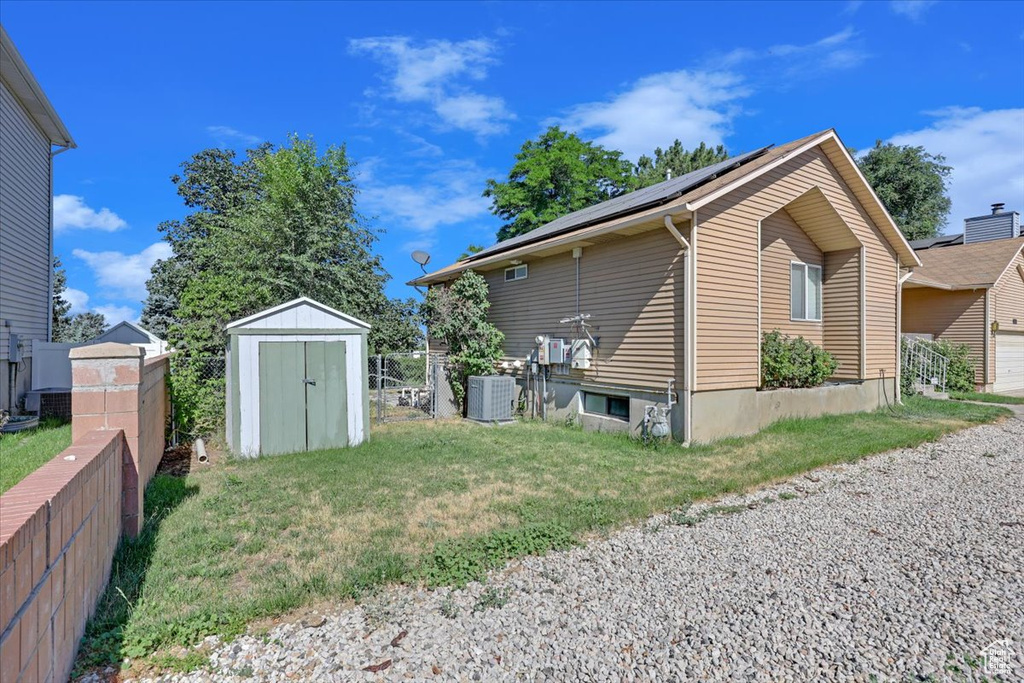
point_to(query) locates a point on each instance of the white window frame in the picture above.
(515, 273)
(807, 291)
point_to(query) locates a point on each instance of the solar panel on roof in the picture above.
(627, 203)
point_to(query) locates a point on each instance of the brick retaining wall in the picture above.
(58, 532)
(59, 527)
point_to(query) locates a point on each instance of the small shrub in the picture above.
(492, 598)
(960, 372)
(459, 561)
(794, 363)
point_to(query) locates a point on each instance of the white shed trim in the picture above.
(296, 303)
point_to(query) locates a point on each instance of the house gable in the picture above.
(727, 249)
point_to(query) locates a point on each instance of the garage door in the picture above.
(1009, 362)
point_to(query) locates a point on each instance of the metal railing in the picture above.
(925, 365)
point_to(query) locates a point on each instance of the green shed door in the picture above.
(303, 396)
(326, 396)
(282, 397)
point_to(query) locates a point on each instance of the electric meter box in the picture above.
(550, 351)
(556, 351)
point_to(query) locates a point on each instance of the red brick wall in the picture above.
(59, 528)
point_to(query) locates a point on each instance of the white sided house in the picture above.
(297, 380)
(31, 134)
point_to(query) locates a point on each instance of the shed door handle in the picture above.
(306, 380)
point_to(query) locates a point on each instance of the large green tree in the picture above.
(278, 224)
(676, 161)
(61, 306)
(556, 174)
(912, 185)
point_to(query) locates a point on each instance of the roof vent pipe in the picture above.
(997, 208)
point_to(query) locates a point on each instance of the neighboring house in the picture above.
(130, 333)
(29, 128)
(970, 289)
(681, 278)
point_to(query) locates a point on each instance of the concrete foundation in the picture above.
(739, 412)
(565, 402)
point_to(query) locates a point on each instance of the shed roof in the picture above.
(966, 266)
(294, 304)
(23, 84)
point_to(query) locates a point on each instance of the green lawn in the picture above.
(22, 453)
(431, 503)
(986, 398)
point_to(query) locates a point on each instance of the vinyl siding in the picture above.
(726, 249)
(957, 316)
(632, 287)
(782, 241)
(24, 225)
(842, 310)
(1007, 304)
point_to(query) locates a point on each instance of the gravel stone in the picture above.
(902, 566)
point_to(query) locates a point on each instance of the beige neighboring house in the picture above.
(973, 293)
(31, 134)
(680, 279)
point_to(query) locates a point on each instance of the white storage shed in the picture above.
(297, 380)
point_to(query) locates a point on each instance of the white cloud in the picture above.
(447, 196)
(116, 314)
(699, 105)
(124, 275)
(784, 63)
(226, 134)
(71, 212)
(986, 151)
(78, 299)
(693, 106)
(912, 9)
(435, 73)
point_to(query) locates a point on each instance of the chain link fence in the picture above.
(410, 386)
(197, 385)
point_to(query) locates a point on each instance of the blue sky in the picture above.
(433, 99)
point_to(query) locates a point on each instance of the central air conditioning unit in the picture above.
(490, 398)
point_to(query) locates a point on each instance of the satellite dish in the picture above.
(421, 257)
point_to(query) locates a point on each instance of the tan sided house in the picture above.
(678, 280)
(970, 289)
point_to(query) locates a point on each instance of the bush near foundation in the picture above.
(793, 362)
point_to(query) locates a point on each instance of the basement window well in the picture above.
(609, 406)
(516, 273)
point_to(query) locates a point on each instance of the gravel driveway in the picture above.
(904, 565)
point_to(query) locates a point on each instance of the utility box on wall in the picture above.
(297, 380)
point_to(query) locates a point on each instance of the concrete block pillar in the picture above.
(106, 393)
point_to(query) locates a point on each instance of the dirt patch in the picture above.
(177, 461)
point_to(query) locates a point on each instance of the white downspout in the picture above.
(688, 302)
(900, 279)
